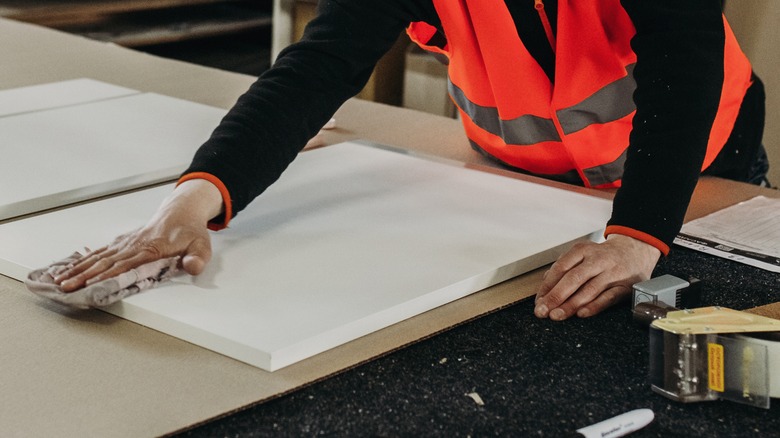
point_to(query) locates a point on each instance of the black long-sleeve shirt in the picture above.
(679, 74)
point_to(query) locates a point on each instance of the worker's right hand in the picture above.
(179, 227)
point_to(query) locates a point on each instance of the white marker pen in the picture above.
(621, 425)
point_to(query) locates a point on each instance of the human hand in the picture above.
(179, 227)
(318, 140)
(591, 277)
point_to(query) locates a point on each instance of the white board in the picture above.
(57, 94)
(351, 239)
(76, 140)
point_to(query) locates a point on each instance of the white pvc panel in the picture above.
(57, 94)
(69, 153)
(350, 240)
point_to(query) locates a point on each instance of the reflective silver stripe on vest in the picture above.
(612, 102)
(606, 173)
(604, 106)
(522, 131)
(570, 177)
(596, 176)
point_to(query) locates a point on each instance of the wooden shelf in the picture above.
(158, 26)
(54, 13)
(135, 23)
(150, 27)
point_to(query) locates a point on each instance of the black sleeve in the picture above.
(679, 75)
(273, 120)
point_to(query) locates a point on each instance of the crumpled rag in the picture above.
(102, 293)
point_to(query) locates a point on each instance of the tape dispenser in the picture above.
(709, 353)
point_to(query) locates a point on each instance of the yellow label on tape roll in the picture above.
(715, 361)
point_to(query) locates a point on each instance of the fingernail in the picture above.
(556, 315)
(583, 313)
(541, 311)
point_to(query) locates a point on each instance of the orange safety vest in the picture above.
(578, 127)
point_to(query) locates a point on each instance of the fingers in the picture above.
(592, 277)
(318, 140)
(589, 300)
(82, 264)
(559, 269)
(563, 278)
(190, 241)
(197, 256)
(315, 142)
(98, 268)
(124, 254)
(607, 299)
(91, 258)
(577, 287)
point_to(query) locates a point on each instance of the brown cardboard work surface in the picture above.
(70, 373)
(88, 373)
(769, 310)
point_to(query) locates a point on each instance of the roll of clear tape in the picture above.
(771, 341)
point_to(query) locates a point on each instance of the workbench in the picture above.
(91, 374)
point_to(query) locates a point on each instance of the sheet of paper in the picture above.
(93, 139)
(748, 232)
(350, 240)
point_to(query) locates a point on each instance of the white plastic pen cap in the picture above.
(619, 426)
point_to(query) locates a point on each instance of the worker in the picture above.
(643, 95)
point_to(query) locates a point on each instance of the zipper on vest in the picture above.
(539, 6)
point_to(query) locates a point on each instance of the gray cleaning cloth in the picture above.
(102, 293)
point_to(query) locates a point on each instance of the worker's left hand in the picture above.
(593, 276)
(318, 140)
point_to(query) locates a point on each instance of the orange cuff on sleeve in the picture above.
(214, 226)
(638, 235)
